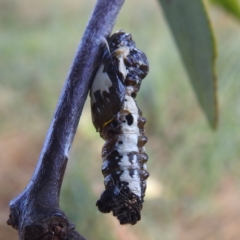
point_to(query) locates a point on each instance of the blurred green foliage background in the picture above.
(194, 188)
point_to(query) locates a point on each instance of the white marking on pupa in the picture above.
(130, 105)
(122, 53)
(101, 82)
(133, 182)
(135, 161)
(107, 179)
(126, 164)
(129, 90)
(133, 128)
(129, 143)
(105, 164)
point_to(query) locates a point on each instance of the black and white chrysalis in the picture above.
(116, 116)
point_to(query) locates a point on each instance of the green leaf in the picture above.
(232, 6)
(192, 32)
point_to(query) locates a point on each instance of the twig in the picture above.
(35, 213)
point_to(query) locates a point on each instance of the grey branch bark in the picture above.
(35, 213)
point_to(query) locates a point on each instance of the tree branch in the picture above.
(35, 213)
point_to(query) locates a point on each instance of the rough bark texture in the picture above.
(35, 213)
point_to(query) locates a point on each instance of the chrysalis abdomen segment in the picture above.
(124, 165)
(120, 123)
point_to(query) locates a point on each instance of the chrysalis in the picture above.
(116, 116)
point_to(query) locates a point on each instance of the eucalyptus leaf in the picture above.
(191, 29)
(232, 6)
